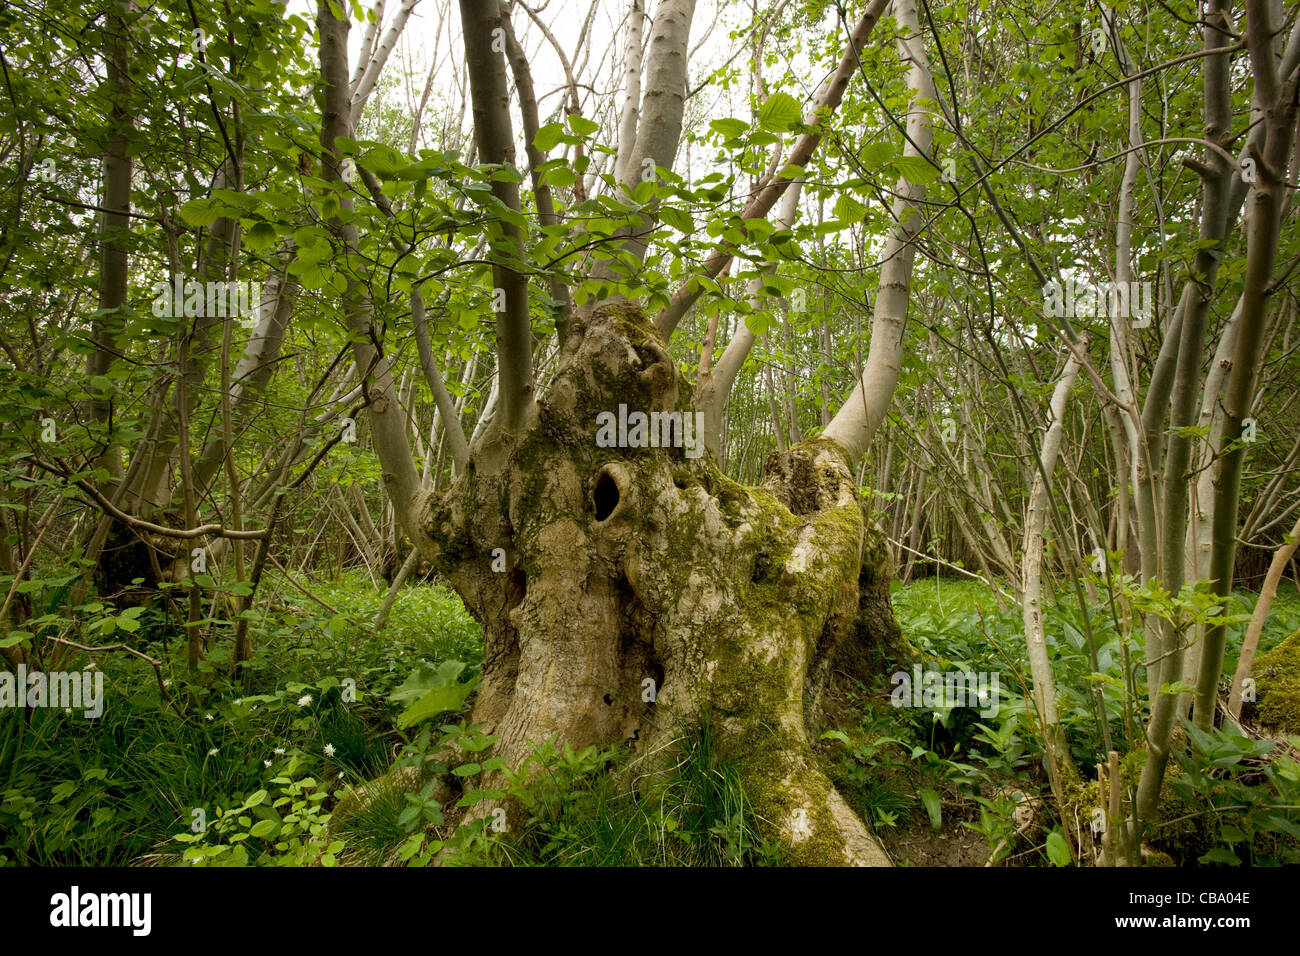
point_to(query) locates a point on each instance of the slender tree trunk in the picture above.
(1250, 643)
(1278, 98)
(1040, 666)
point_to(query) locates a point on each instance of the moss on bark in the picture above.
(628, 564)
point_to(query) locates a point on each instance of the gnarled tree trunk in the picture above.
(743, 605)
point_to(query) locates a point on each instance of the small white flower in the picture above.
(67, 710)
(167, 682)
(340, 775)
(304, 700)
(212, 752)
(278, 751)
(266, 763)
(238, 701)
(329, 750)
(207, 717)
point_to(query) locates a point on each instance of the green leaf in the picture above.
(876, 155)
(678, 219)
(260, 237)
(202, 211)
(16, 637)
(562, 177)
(849, 209)
(411, 847)
(1058, 851)
(548, 137)
(440, 700)
(729, 128)
(916, 169)
(779, 113)
(1220, 855)
(383, 161)
(265, 829)
(934, 809)
(581, 125)
(1231, 834)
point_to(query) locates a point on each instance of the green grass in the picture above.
(115, 791)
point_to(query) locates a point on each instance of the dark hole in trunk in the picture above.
(605, 497)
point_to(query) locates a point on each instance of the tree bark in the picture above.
(856, 422)
(742, 604)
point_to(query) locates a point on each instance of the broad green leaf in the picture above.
(916, 169)
(779, 113)
(581, 125)
(1058, 851)
(729, 128)
(548, 137)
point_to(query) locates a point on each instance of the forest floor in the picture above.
(321, 754)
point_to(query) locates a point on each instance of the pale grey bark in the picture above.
(1276, 96)
(1250, 643)
(628, 120)
(1166, 656)
(387, 423)
(1035, 527)
(769, 191)
(366, 84)
(860, 416)
(367, 45)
